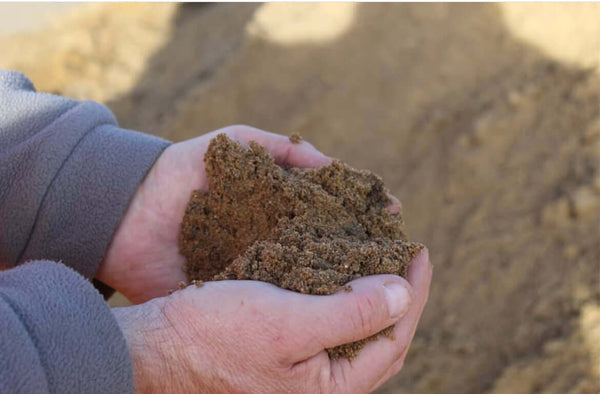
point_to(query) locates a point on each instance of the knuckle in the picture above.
(366, 313)
(400, 351)
(241, 129)
(393, 371)
(233, 131)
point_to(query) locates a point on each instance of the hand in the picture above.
(245, 336)
(143, 259)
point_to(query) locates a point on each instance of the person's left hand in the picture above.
(143, 260)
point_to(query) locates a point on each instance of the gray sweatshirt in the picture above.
(67, 173)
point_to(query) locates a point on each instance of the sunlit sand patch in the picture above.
(287, 23)
(565, 32)
(589, 321)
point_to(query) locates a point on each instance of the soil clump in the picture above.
(306, 230)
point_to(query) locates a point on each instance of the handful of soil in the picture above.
(306, 230)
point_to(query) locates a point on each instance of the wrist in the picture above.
(143, 326)
(113, 268)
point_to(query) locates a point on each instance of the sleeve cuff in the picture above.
(86, 200)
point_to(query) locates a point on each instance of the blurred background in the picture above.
(484, 119)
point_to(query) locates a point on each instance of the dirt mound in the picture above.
(306, 230)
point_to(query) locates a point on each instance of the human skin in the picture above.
(233, 336)
(143, 260)
(253, 337)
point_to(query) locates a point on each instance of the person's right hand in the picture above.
(246, 336)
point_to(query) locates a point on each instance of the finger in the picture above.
(397, 366)
(391, 372)
(321, 322)
(419, 275)
(395, 206)
(375, 360)
(280, 147)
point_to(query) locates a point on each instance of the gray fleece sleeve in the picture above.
(67, 173)
(58, 334)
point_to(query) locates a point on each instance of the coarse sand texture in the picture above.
(306, 230)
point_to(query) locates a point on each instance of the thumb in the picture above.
(374, 303)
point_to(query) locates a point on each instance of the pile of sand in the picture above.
(492, 146)
(307, 230)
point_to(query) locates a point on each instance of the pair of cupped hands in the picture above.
(246, 336)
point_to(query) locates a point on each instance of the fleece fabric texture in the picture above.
(67, 173)
(57, 334)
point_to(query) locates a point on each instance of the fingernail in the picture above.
(398, 299)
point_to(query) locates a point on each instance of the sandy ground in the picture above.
(23, 17)
(483, 119)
